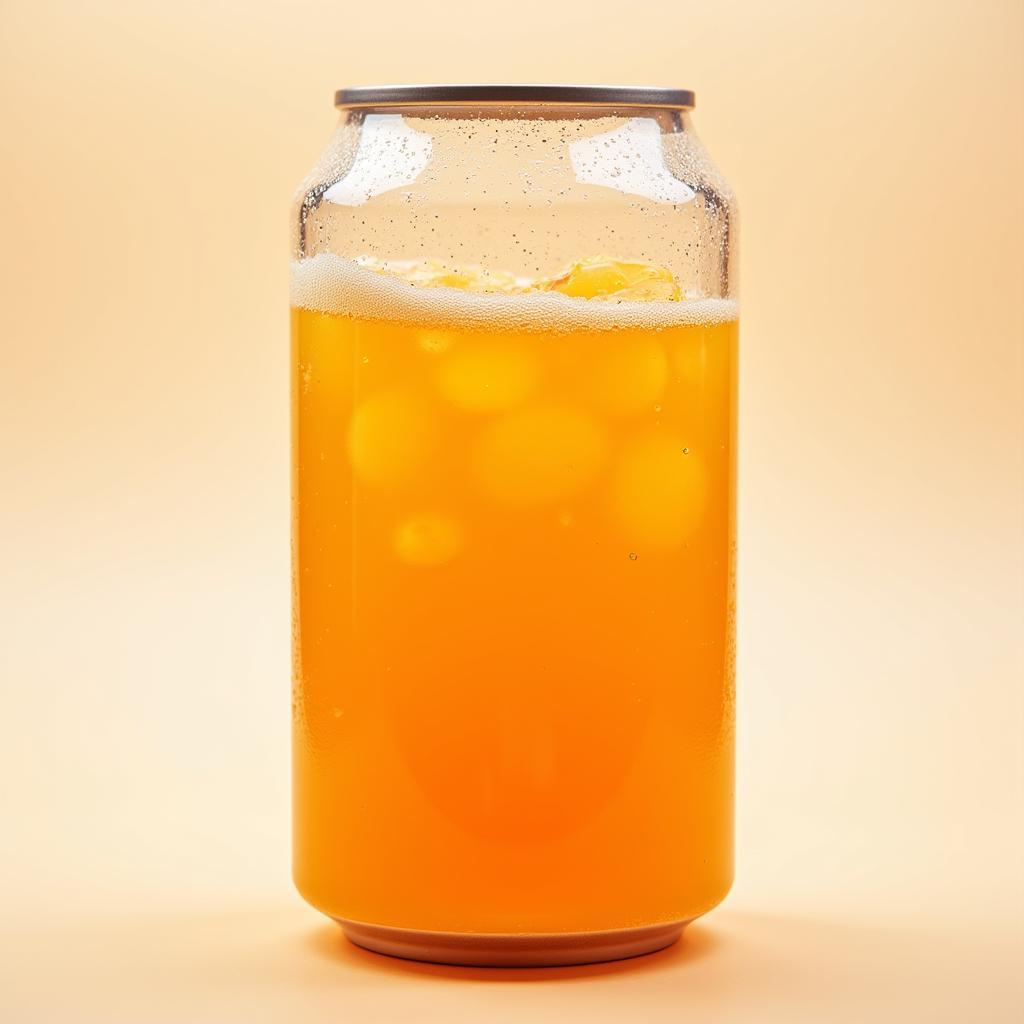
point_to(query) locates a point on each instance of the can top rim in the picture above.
(592, 95)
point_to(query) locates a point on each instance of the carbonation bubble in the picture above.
(488, 378)
(434, 342)
(329, 283)
(392, 438)
(427, 540)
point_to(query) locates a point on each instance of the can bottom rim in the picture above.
(512, 950)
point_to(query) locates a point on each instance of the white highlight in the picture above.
(630, 160)
(390, 155)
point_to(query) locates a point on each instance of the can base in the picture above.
(512, 950)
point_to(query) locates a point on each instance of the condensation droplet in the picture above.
(686, 451)
(657, 408)
(337, 712)
(632, 556)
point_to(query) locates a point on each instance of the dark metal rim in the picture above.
(440, 95)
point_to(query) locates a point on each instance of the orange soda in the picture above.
(514, 538)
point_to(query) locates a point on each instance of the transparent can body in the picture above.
(514, 329)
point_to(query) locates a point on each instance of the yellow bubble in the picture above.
(392, 438)
(547, 453)
(659, 491)
(427, 540)
(488, 378)
(627, 376)
(434, 342)
(689, 359)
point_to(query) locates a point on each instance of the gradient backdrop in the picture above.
(149, 152)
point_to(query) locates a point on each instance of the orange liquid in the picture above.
(513, 560)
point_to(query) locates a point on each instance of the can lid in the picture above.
(597, 95)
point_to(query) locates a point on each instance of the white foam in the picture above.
(328, 283)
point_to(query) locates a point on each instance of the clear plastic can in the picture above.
(514, 330)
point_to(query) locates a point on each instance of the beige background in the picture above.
(149, 151)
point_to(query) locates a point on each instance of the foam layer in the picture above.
(328, 283)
